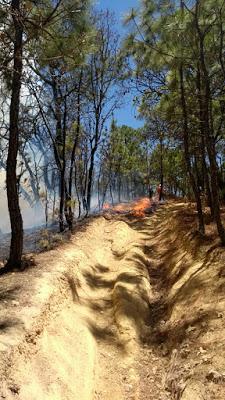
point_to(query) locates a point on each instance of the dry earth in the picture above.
(130, 308)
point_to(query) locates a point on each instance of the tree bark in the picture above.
(59, 150)
(205, 175)
(73, 153)
(187, 154)
(161, 169)
(90, 178)
(210, 141)
(16, 247)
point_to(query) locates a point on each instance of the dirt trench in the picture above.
(72, 326)
(130, 309)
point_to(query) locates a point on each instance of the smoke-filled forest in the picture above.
(118, 224)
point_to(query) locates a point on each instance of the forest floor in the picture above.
(36, 240)
(130, 308)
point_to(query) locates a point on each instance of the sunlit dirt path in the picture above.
(84, 318)
(130, 309)
(114, 295)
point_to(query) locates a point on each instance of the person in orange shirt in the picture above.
(159, 191)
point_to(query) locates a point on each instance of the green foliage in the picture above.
(173, 168)
(163, 37)
(67, 38)
(125, 150)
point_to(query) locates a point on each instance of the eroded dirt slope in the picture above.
(131, 308)
(70, 325)
(187, 317)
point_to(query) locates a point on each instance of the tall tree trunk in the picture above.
(92, 159)
(16, 247)
(161, 169)
(46, 207)
(77, 192)
(72, 160)
(33, 180)
(202, 144)
(63, 207)
(59, 149)
(83, 186)
(187, 154)
(90, 178)
(111, 192)
(210, 141)
(62, 199)
(119, 187)
(54, 204)
(99, 188)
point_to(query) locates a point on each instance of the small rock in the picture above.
(14, 388)
(128, 388)
(206, 359)
(196, 363)
(184, 352)
(15, 303)
(215, 376)
(165, 351)
(30, 339)
(191, 329)
(201, 351)
(154, 370)
(159, 386)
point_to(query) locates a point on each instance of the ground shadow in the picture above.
(103, 333)
(173, 334)
(8, 323)
(96, 281)
(7, 294)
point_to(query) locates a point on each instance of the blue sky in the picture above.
(126, 115)
(120, 7)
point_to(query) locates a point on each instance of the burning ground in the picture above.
(138, 208)
(132, 307)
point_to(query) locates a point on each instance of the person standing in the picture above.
(159, 191)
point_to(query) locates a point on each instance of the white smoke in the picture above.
(32, 216)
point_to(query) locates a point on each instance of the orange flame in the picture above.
(106, 206)
(140, 207)
(121, 207)
(137, 208)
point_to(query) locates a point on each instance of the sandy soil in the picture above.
(131, 308)
(67, 322)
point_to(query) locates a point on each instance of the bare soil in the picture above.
(131, 308)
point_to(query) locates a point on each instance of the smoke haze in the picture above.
(32, 216)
